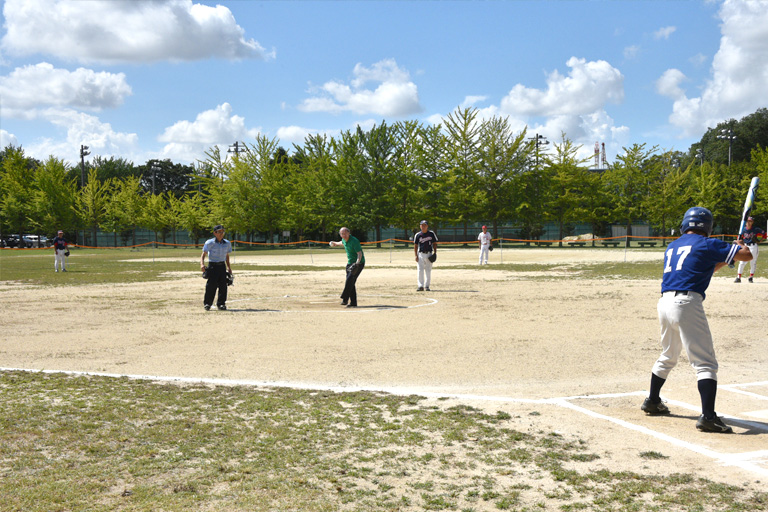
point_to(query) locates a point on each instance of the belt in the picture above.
(425, 252)
(217, 263)
(679, 292)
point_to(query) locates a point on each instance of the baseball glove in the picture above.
(490, 248)
(230, 279)
(205, 273)
(66, 253)
(433, 257)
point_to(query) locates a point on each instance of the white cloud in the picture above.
(664, 32)
(473, 100)
(83, 129)
(41, 85)
(587, 88)
(669, 84)
(698, 60)
(188, 140)
(395, 95)
(739, 71)
(125, 31)
(630, 52)
(6, 139)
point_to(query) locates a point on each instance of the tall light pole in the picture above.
(154, 168)
(727, 133)
(83, 153)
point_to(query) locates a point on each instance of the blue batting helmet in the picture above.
(697, 218)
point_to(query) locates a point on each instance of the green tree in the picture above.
(377, 178)
(194, 216)
(16, 191)
(463, 164)
(668, 194)
(628, 183)
(502, 157)
(54, 198)
(567, 180)
(92, 203)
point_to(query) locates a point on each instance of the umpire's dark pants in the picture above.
(217, 279)
(350, 293)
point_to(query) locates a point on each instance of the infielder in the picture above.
(689, 263)
(355, 265)
(217, 249)
(425, 250)
(484, 242)
(751, 237)
(59, 252)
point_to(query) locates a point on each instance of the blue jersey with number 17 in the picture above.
(690, 261)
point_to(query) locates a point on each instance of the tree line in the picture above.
(463, 171)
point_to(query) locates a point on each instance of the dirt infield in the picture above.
(578, 352)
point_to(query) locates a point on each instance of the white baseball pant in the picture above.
(753, 262)
(59, 260)
(425, 269)
(484, 253)
(684, 325)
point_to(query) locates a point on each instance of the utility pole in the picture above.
(237, 148)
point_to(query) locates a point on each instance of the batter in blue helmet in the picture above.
(689, 263)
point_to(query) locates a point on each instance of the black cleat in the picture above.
(737, 280)
(222, 307)
(420, 289)
(714, 425)
(654, 409)
(750, 280)
(207, 307)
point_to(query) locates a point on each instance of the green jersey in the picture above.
(352, 246)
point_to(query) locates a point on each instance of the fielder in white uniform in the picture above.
(689, 263)
(484, 241)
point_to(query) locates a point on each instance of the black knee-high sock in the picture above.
(656, 383)
(708, 391)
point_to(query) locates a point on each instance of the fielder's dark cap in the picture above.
(423, 222)
(218, 227)
(750, 218)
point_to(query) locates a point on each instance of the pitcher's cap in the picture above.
(423, 222)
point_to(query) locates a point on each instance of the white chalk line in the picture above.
(748, 461)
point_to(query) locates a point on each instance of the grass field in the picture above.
(88, 442)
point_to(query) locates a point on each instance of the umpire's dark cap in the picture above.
(423, 222)
(218, 227)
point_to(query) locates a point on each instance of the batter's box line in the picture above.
(748, 461)
(735, 388)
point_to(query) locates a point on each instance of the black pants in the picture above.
(217, 279)
(350, 293)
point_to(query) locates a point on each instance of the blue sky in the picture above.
(170, 79)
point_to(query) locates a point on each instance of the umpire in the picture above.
(217, 249)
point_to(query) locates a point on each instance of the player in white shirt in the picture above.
(484, 241)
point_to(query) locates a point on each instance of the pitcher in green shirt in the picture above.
(355, 265)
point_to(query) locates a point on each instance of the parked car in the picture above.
(13, 241)
(31, 240)
(44, 242)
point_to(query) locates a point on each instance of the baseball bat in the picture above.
(748, 203)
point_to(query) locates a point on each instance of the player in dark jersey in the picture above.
(751, 237)
(424, 246)
(689, 263)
